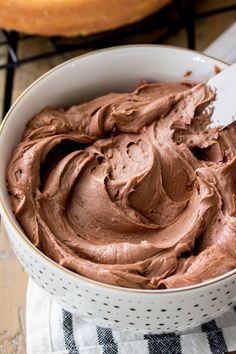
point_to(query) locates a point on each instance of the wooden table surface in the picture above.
(13, 283)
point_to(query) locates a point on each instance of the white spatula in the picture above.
(224, 104)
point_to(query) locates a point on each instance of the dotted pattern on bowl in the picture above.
(173, 312)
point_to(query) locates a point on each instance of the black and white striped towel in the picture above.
(51, 329)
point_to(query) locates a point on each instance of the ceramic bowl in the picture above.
(82, 78)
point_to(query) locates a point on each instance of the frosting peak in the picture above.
(131, 189)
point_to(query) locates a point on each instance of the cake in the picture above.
(73, 17)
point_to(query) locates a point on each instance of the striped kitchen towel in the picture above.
(51, 329)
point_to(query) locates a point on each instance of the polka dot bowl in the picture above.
(85, 77)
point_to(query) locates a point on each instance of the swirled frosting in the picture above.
(131, 189)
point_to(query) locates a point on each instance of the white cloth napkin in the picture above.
(224, 47)
(51, 329)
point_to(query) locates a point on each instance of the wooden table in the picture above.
(13, 283)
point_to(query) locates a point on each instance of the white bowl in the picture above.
(82, 78)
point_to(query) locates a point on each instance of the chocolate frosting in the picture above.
(131, 189)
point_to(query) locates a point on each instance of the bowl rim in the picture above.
(20, 233)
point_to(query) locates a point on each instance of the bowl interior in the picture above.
(116, 69)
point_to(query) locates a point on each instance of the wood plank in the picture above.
(13, 282)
